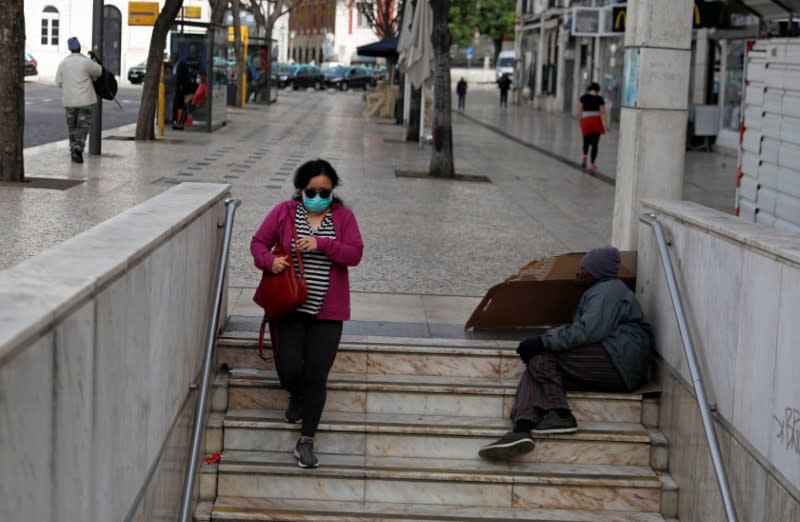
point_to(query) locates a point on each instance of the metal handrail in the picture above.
(694, 369)
(202, 399)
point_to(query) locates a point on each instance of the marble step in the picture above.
(451, 482)
(424, 395)
(427, 436)
(398, 355)
(229, 509)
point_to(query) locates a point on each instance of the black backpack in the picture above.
(105, 85)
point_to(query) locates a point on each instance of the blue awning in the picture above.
(386, 48)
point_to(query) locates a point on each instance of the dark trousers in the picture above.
(591, 140)
(504, 98)
(79, 120)
(549, 375)
(462, 100)
(307, 347)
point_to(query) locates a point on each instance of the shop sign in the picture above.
(142, 13)
(192, 12)
(704, 14)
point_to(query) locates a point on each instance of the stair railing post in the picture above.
(205, 374)
(694, 368)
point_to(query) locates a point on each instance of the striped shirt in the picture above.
(316, 264)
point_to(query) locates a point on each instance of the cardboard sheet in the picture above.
(542, 294)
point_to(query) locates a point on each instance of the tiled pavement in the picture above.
(423, 237)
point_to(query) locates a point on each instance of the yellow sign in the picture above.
(192, 12)
(142, 13)
(231, 36)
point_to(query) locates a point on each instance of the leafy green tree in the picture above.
(496, 21)
(463, 21)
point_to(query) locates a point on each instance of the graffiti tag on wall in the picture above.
(789, 429)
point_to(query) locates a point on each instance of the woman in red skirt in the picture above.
(592, 114)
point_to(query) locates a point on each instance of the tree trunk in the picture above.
(442, 153)
(12, 90)
(145, 123)
(238, 46)
(218, 8)
(498, 46)
(412, 131)
(268, 66)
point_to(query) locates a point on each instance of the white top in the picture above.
(74, 76)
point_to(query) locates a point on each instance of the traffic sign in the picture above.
(142, 13)
(470, 52)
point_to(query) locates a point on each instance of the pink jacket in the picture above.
(344, 251)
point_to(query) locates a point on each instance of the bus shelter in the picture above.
(195, 49)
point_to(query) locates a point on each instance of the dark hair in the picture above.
(312, 169)
(594, 86)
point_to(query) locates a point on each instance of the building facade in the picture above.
(352, 31)
(563, 45)
(311, 26)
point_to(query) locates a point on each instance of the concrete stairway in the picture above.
(399, 438)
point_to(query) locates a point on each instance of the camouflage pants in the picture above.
(79, 119)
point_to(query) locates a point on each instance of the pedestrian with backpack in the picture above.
(75, 76)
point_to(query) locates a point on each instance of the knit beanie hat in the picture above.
(602, 263)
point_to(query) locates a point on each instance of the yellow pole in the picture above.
(162, 101)
(244, 76)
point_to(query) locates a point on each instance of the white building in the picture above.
(49, 23)
(352, 31)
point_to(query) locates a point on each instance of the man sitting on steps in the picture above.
(605, 348)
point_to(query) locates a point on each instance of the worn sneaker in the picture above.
(294, 413)
(510, 445)
(77, 157)
(304, 453)
(554, 423)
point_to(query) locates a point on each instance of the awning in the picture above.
(386, 48)
(771, 9)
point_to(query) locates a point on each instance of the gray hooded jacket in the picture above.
(609, 314)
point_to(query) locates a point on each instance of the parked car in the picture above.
(285, 74)
(30, 65)
(136, 73)
(346, 77)
(308, 76)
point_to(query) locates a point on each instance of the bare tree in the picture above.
(145, 123)
(12, 90)
(381, 16)
(279, 8)
(442, 153)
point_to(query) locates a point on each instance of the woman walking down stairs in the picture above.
(400, 435)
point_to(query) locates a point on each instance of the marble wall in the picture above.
(100, 339)
(740, 284)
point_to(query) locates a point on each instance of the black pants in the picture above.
(504, 98)
(591, 140)
(462, 100)
(307, 347)
(549, 375)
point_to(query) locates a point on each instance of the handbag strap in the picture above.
(302, 273)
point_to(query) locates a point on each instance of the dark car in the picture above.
(308, 76)
(136, 73)
(30, 65)
(285, 74)
(347, 77)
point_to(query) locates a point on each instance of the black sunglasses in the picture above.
(324, 193)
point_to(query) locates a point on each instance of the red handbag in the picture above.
(281, 293)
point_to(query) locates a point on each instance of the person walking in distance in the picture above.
(74, 76)
(504, 83)
(307, 339)
(461, 90)
(593, 122)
